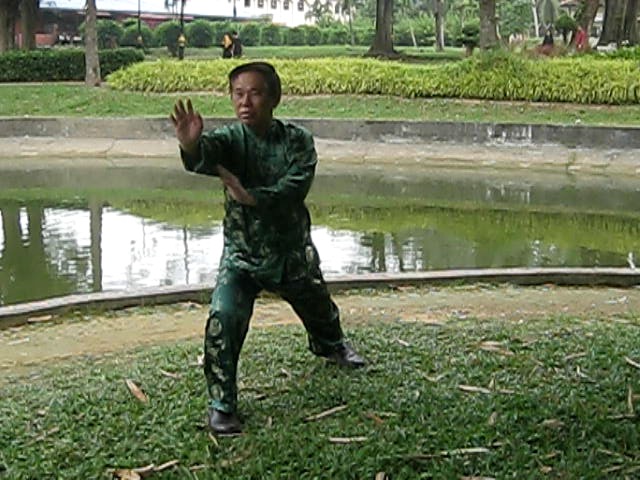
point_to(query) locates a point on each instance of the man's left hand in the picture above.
(235, 188)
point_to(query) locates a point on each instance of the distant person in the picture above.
(266, 167)
(227, 45)
(237, 45)
(547, 42)
(581, 39)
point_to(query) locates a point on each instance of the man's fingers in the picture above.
(173, 120)
(189, 107)
(179, 108)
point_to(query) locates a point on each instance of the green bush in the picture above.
(365, 35)
(296, 36)
(470, 34)
(494, 76)
(200, 34)
(250, 34)
(271, 35)
(167, 34)
(130, 37)
(337, 35)
(60, 64)
(313, 35)
(110, 33)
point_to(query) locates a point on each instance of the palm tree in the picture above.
(92, 61)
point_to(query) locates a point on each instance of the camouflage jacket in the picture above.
(271, 240)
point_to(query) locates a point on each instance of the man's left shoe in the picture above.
(345, 356)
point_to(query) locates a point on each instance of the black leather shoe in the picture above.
(346, 356)
(224, 423)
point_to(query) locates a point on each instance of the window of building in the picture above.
(247, 3)
(285, 4)
(301, 5)
(260, 3)
(336, 9)
(274, 4)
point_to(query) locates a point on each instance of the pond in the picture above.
(70, 231)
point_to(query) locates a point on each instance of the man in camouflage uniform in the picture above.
(267, 167)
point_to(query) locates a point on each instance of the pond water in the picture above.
(164, 227)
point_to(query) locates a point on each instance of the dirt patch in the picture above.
(24, 349)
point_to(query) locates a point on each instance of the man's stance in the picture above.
(267, 167)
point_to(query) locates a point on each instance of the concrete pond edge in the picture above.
(387, 131)
(38, 311)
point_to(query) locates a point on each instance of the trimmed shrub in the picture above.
(492, 76)
(61, 64)
(271, 35)
(296, 36)
(250, 34)
(336, 35)
(200, 34)
(167, 34)
(313, 35)
(130, 37)
(110, 33)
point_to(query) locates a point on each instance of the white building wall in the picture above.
(277, 10)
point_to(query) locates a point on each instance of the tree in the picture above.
(383, 41)
(488, 25)
(92, 61)
(619, 23)
(8, 16)
(438, 14)
(29, 12)
(587, 13)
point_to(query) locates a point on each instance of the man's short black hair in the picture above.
(267, 71)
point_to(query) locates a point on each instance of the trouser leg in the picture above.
(310, 299)
(231, 308)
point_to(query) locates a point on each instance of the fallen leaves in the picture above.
(346, 440)
(136, 391)
(326, 413)
(142, 472)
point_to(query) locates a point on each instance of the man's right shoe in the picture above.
(345, 356)
(223, 423)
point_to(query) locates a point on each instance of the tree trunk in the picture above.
(488, 31)
(413, 35)
(91, 59)
(29, 10)
(587, 15)
(351, 32)
(438, 13)
(536, 20)
(630, 27)
(8, 17)
(383, 41)
(614, 13)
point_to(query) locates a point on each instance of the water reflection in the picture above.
(54, 250)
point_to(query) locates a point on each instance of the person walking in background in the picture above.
(227, 45)
(267, 167)
(581, 39)
(237, 45)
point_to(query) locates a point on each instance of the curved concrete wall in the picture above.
(362, 130)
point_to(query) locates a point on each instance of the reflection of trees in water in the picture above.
(32, 268)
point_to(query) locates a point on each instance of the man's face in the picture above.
(251, 101)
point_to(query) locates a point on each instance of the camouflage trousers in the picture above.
(232, 304)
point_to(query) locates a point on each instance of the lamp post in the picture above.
(182, 41)
(139, 39)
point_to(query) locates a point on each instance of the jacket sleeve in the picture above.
(214, 148)
(294, 185)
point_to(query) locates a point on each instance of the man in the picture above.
(227, 45)
(267, 167)
(237, 45)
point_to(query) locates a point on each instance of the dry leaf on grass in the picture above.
(170, 374)
(374, 417)
(381, 476)
(492, 418)
(630, 408)
(345, 440)
(125, 474)
(40, 319)
(632, 362)
(472, 389)
(496, 347)
(136, 391)
(476, 478)
(450, 453)
(402, 342)
(326, 413)
(166, 465)
(573, 356)
(552, 423)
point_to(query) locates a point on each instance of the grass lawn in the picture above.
(307, 51)
(552, 398)
(57, 99)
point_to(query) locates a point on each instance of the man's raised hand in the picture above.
(188, 125)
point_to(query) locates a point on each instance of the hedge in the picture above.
(61, 64)
(490, 77)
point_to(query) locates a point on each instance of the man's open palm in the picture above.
(188, 124)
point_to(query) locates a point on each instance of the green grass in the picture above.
(306, 51)
(79, 101)
(544, 414)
